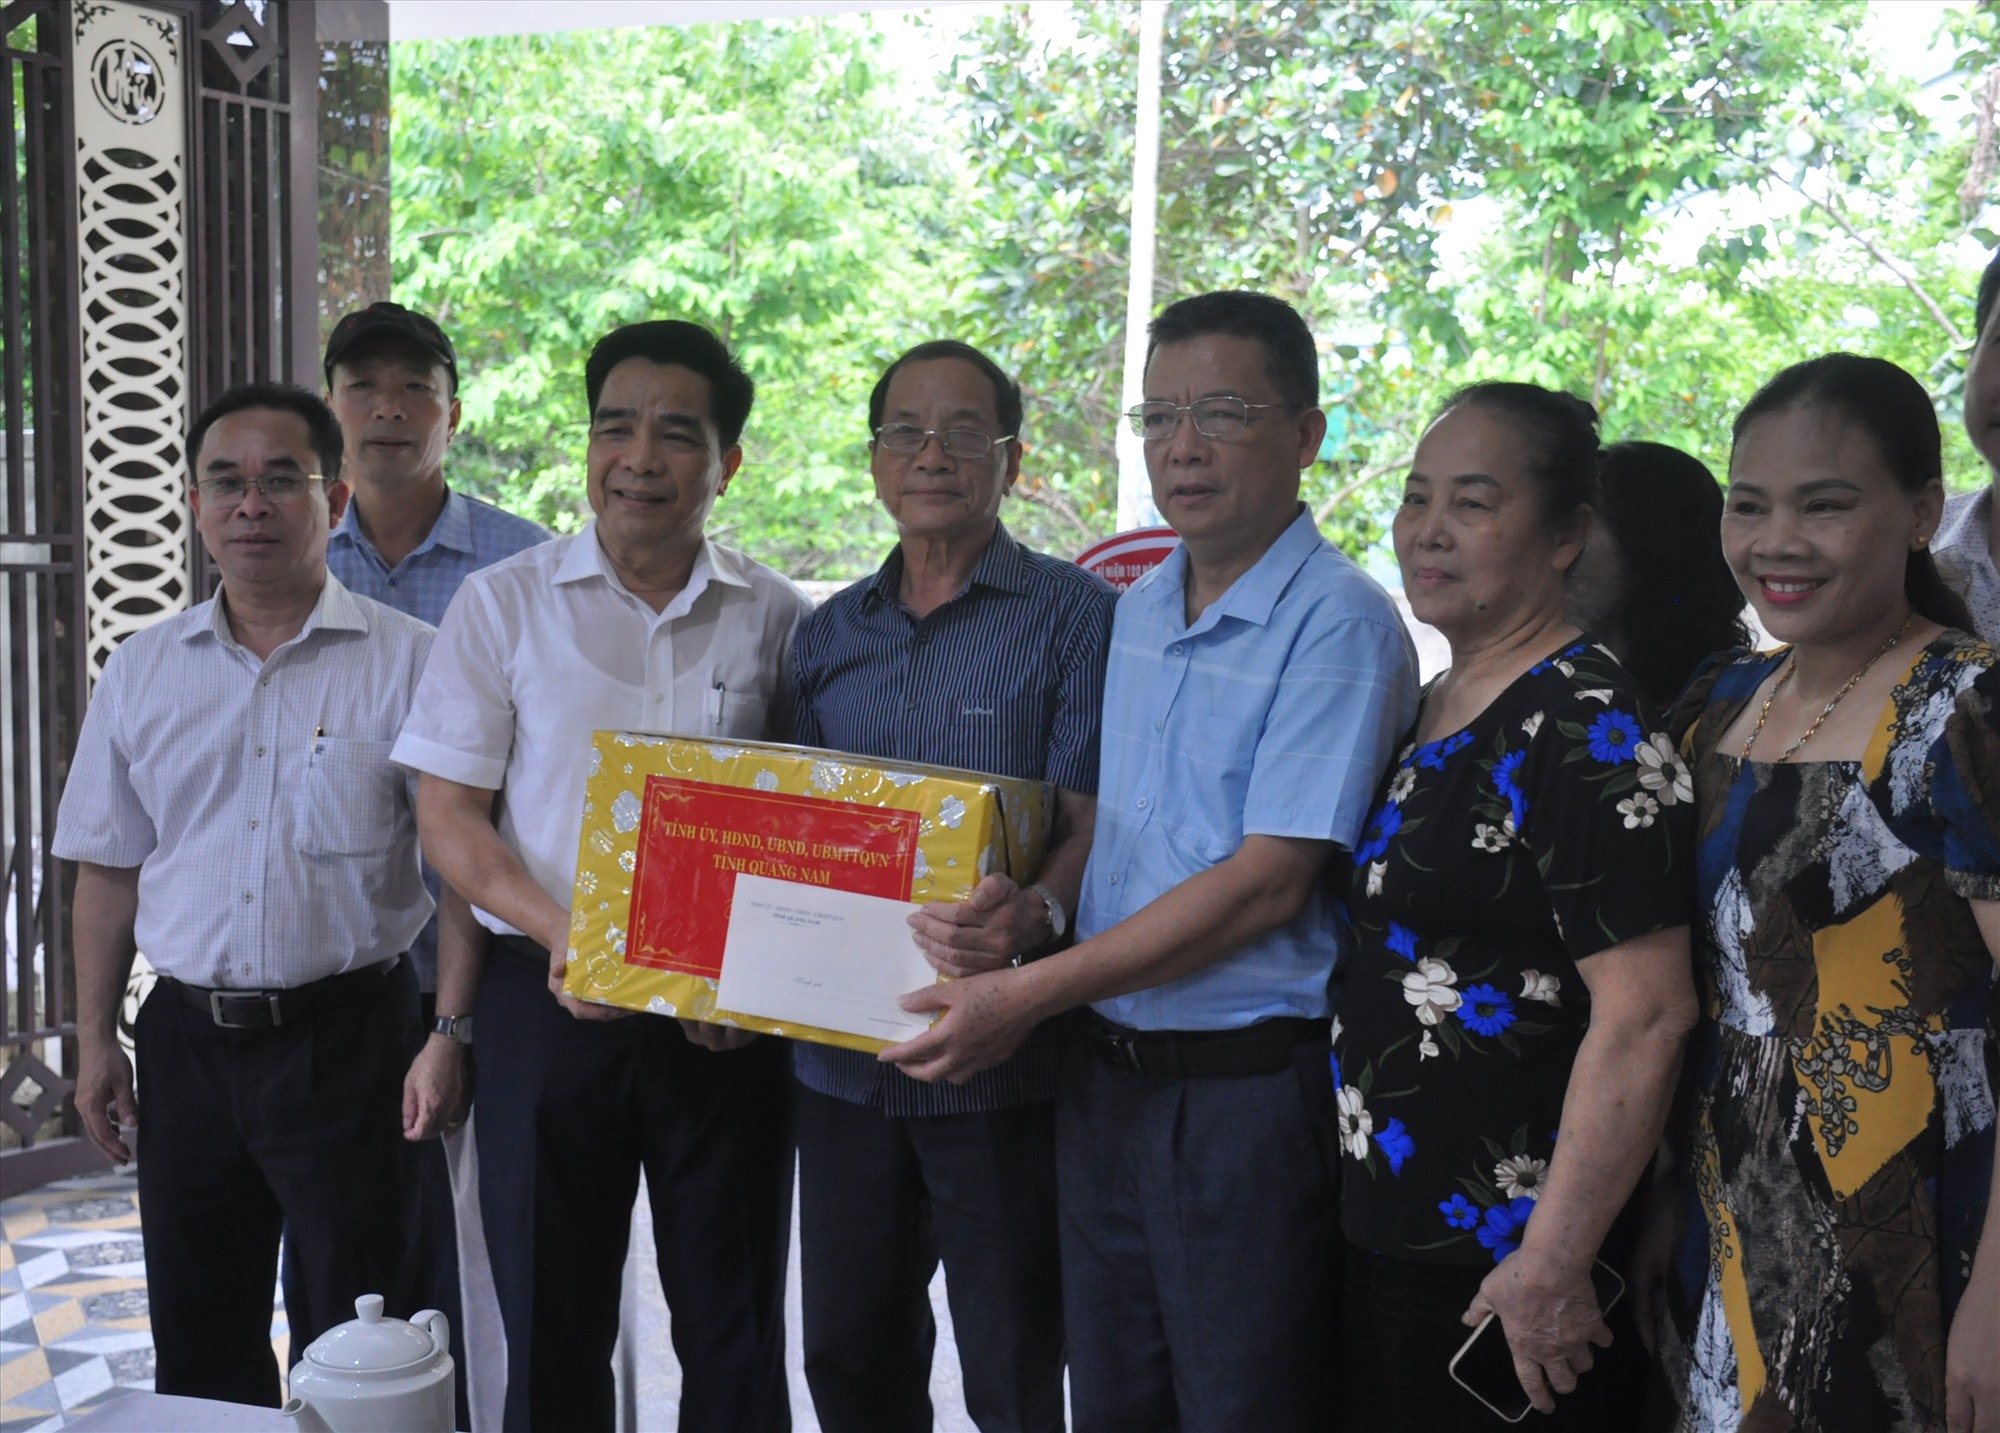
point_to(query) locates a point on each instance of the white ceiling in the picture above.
(451, 19)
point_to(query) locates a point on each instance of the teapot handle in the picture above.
(433, 1322)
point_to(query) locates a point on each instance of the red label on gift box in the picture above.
(694, 838)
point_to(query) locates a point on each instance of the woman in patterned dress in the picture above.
(1517, 990)
(1837, 1157)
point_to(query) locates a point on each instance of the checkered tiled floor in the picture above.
(74, 1325)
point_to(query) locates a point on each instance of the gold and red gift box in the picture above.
(670, 822)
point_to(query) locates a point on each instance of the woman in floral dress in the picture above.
(1837, 1163)
(1512, 1012)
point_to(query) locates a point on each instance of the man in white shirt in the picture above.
(235, 814)
(638, 622)
(1964, 544)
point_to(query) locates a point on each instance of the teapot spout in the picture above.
(304, 1417)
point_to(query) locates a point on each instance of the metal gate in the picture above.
(158, 236)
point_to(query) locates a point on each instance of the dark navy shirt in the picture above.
(1008, 678)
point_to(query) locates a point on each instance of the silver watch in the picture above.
(453, 1027)
(1058, 921)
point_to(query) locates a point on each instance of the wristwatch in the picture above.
(1058, 922)
(453, 1027)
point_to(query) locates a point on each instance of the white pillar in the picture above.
(1135, 494)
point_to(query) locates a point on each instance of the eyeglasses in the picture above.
(958, 442)
(278, 488)
(1213, 417)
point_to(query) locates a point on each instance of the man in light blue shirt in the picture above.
(1257, 687)
(407, 540)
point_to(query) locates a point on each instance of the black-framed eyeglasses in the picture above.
(278, 488)
(958, 442)
(1220, 417)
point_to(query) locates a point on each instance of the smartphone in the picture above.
(1484, 1365)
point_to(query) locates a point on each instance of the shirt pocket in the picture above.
(347, 804)
(1003, 734)
(729, 711)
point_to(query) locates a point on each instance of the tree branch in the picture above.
(1361, 480)
(1043, 496)
(1903, 275)
(1979, 167)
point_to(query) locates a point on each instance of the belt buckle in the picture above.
(215, 1008)
(1126, 1048)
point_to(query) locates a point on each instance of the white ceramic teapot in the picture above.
(376, 1375)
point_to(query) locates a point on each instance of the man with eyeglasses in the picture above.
(235, 815)
(1257, 686)
(408, 540)
(638, 623)
(963, 649)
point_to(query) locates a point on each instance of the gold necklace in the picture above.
(1792, 665)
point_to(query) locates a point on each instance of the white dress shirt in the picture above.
(276, 842)
(540, 650)
(1963, 551)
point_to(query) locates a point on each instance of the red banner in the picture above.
(695, 837)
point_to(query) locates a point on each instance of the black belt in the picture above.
(1259, 1049)
(267, 1009)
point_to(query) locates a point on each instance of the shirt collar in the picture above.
(585, 559)
(335, 611)
(1251, 597)
(452, 529)
(1001, 566)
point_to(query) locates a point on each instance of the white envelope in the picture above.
(811, 955)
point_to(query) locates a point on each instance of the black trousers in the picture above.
(243, 1133)
(881, 1199)
(570, 1111)
(1199, 1247)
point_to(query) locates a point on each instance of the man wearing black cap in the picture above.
(407, 540)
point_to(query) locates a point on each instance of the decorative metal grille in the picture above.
(157, 198)
(131, 162)
(43, 654)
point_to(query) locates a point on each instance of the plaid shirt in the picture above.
(468, 535)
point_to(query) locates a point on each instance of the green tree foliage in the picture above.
(758, 178)
(1671, 200)
(1680, 198)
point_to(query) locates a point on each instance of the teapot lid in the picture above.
(371, 1342)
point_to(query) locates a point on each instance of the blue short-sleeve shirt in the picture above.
(1273, 714)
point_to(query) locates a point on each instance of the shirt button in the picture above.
(1159, 725)
(246, 970)
(260, 751)
(1178, 649)
(253, 823)
(263, 681)
(1144, 803)
(246, 894)
(1114, 881)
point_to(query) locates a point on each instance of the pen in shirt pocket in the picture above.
(717, 695)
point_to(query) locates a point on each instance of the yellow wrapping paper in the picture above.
(669, 822)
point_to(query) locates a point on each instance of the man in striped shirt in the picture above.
(964, 649)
